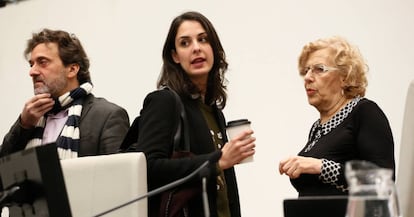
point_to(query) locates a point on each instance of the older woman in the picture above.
(350, 127)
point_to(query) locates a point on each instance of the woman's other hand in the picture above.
(297, 165)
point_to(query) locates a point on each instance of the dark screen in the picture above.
(38, 175)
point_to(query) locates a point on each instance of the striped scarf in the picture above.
(68, 141)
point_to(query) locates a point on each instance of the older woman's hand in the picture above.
(297, 165)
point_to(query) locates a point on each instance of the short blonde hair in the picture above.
(347, 58)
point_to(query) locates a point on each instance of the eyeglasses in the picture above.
(317, 69)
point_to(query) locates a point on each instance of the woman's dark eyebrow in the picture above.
(199, 34)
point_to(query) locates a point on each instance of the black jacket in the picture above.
(156, 130)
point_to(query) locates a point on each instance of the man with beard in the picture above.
(63, 109)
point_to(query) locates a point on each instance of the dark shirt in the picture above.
(365, 134)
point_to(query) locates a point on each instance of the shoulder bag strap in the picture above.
(182, 128)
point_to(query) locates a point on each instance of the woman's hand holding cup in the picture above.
(240, 148)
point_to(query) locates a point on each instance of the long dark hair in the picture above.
(173, 75)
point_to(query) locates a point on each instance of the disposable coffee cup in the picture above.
(234, 128)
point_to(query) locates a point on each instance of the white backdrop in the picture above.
(262, 40)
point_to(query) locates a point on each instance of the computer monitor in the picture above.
(37, 174)
(318, 206)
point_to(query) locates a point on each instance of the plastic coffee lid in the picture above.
(237, 122)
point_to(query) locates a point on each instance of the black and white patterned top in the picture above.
(359, 131)
(319, 129)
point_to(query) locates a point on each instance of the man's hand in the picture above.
(35, 108)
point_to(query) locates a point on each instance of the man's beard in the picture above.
(43, 89)
(53, 87)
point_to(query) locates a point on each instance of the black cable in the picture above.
(158, 190)
(6, 195)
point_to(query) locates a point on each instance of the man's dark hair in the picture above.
(70, 50)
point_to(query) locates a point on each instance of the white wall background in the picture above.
(262, 39)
